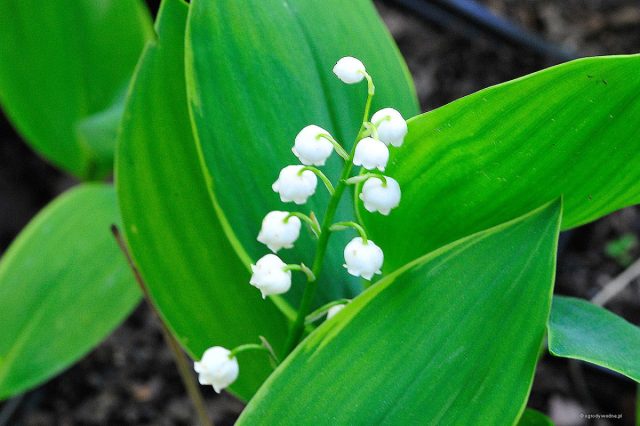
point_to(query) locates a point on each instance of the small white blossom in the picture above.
(216, 369)
(380, 198)
(334, 310)
(363, 260)
(269, 276)
(391, 126)
(310, 148)
(278, 232)
(371, 154)
(350, 70)
(293, 186)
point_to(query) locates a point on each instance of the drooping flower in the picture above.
(378, 197)
(269, 276)
(279, 230)
(216, 368)
(350, 70)
(295, 186)
(311, 148)
(363, 259)
(391, 126)
(371, 154)
(334, 310)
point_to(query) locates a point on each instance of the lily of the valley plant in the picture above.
(315, 254)
(280, 229)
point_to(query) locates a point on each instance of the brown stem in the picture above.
(180, 358)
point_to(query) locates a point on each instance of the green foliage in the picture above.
(581, 330)
(275, 79)
(451, 337)
(570, 130)
(620, 249)
(532, 417)
(64, 286)
(196, 280)
(66, 62)
(451, 333)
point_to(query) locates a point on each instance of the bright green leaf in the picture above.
(64, 286)
(571, 130)
(100, 130)
(531, 417)
(452, 337)
(258, 71)
(194, 275)
(581, 330)
(62, 62)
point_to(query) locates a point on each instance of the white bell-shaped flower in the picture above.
(391, 126)
(334, 310)
(363, 260)
(269, 276)
(371, 154)
(293, 186)
(380, 198)
(350, 70)
(311, 148)
(278, 232)
(216, 369)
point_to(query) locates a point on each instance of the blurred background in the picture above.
(453, 48)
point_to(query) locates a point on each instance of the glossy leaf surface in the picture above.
(64, 286)
(581, 330)
(64, 61)
(571, 130)
(259, 71)
(451, 338)
(194, 275)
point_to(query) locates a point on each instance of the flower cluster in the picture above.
(296, 183)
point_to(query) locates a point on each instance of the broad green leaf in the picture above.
(581, 330)
(258, 71)
(195, 277)
(62, 62)
(64, 286)
(570, 130)
(531, 417)
(451, 338)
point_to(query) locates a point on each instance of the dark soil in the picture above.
(131, 379)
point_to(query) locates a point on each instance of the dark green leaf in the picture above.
(581, 330)
(64, 286)
(571, 130)
(259, 71)
(62, 62)
(452, 337)
(194, 275)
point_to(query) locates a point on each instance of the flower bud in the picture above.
(363, 260)
(310, 148)
(350, 70)
(216, 369)
(279, 232)
(334, 310)
(269, 275)
(293, 186)
(380, 198)
(391, 126)
(371, 154)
